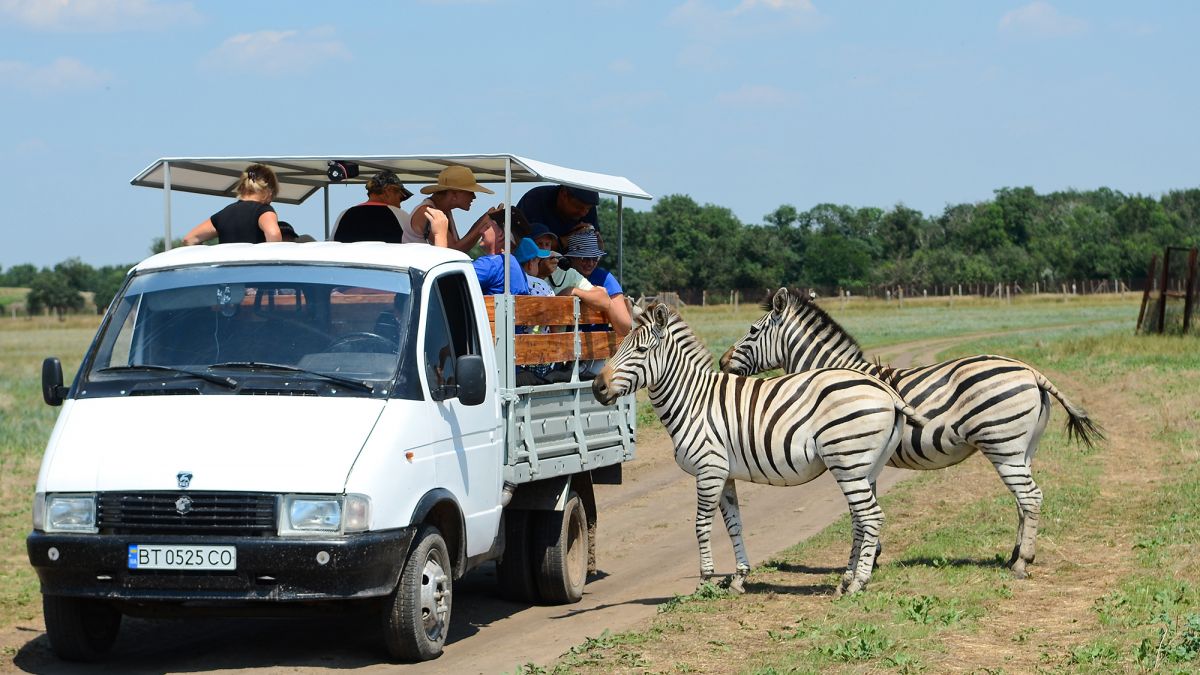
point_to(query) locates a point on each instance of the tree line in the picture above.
(1017, 236)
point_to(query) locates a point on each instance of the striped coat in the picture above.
(991, 404)
(784, 431)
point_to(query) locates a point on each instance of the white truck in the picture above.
(267, 427)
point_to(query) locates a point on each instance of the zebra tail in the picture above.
(1080, 426)
(914, 418)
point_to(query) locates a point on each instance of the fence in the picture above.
(738, 296)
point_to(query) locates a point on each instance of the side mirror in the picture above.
(472, 379)
(53, 391)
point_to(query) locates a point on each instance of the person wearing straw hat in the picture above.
(380, 218)
(455, 189)
(584, 254)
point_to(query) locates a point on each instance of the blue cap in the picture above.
(527, 250)
(589, 197)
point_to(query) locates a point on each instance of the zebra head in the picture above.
(636, 361)
(762, 346)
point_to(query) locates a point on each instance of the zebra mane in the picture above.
(687, 340)
(802, 308)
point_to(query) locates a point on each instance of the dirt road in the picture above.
(646, 548)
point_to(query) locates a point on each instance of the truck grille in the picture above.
(227, 513)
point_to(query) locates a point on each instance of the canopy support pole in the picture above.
(167, 206)
(621, 240)
(325, 190)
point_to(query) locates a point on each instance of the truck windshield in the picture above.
(230, 328)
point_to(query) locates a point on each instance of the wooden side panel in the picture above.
(533, 310)
(553, 347)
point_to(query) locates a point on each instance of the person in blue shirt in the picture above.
(490, 269)
(562, 208)
(584, 253)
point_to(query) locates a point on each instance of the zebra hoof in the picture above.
(737, 583)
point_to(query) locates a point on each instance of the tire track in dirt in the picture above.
(646, 551)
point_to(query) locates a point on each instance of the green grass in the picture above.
(943, 578)
(876, 323)
(25, 424)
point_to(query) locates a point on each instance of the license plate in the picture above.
(178, 557)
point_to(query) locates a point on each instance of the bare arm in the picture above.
(439, 226)
(473, 235)
(201, 233)
(618, 315)
(269, 224)
(595, 297)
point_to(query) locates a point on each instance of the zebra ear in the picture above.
(780, 301)
(659, 316)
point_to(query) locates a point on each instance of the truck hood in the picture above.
(235, 443)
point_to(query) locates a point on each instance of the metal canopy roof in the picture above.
(300, 177)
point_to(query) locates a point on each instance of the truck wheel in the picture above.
(80, 629)
(514, 571)
(561, 552)
(417, 615)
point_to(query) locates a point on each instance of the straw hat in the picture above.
(455, 178)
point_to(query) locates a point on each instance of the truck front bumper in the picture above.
(269, 569)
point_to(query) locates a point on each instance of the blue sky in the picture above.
(748, 104)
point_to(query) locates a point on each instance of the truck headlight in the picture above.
(67, 513)
(311, 514)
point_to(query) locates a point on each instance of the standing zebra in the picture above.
(783, 431)
(996, 405)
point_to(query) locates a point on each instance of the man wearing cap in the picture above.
(455, 189)
(583, 250)
(380, 218)
(562, 208)
(490, 269)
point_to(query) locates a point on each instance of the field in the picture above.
(1113, 588)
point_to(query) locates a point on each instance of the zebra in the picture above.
(993, 404)
(783, 431)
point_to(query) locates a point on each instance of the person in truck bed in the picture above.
(249, 220)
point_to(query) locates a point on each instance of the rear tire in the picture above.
(514, 571)
(417, 614)
(80, 629)
(561, 552)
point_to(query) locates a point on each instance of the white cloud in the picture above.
(755, 96)
(1041, 19)
(621, 66)
(748, 17)
(62, 75)
(98, 16)
(277, 51)
(712, 30)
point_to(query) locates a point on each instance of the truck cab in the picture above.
(266, 427)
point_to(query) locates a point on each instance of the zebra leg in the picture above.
(879, 546)
(1015, 470)
(868, 521)
(709, 487)
(733, 524)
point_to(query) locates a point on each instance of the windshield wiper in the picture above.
(251, 365)
(223, 380)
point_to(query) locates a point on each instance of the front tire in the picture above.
(80, 629)
(417, 615)
(561, 551)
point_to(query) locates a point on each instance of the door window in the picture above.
(450, 332)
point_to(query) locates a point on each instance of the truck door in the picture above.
(471, 465)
